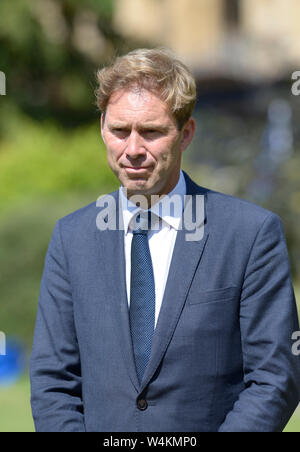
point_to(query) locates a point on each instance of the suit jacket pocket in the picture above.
(213, 296)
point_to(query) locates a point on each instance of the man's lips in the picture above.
(135, 169)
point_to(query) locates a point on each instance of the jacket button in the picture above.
(142, 404)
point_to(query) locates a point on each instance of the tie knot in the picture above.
(141, 223)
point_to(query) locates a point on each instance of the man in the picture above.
(145, 328)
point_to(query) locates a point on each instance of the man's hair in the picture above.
(156, 70)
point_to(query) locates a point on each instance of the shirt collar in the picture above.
(171, 216)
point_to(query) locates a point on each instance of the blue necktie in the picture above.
(142, 300)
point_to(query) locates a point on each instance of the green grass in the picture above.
(15, 414)
(294, 423)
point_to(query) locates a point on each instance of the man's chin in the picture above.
(138, 187)
(135, 182)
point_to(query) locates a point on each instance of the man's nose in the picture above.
(135, 145)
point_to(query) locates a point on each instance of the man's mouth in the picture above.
(136, 169)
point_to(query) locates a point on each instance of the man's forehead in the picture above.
(132, 93)
(147, 106)
(136, 98)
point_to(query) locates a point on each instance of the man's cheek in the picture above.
(111, 161)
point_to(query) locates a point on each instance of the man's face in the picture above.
(144, 145)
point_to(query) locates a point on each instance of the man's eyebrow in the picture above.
(115, 124)
(152, 125)
(143, 126)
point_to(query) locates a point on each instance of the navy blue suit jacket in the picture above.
(221, 356)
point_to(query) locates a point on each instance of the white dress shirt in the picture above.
(161, 241)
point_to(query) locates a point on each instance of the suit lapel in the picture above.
(111, 244)
(186, 259)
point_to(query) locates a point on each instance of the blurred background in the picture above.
(52, 159)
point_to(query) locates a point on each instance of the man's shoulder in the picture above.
(240, 218)
(227, 208)
(86, 215)
(234, 203)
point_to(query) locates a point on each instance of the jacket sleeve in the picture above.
(56, 396)
(268, 318)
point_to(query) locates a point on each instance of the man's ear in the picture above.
(187, 133)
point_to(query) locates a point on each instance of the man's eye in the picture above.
(151, 133)
(120, 131)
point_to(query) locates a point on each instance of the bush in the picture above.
(41, 159)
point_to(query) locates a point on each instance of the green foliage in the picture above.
(42, 159)
(50, 50)
(25, 233)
